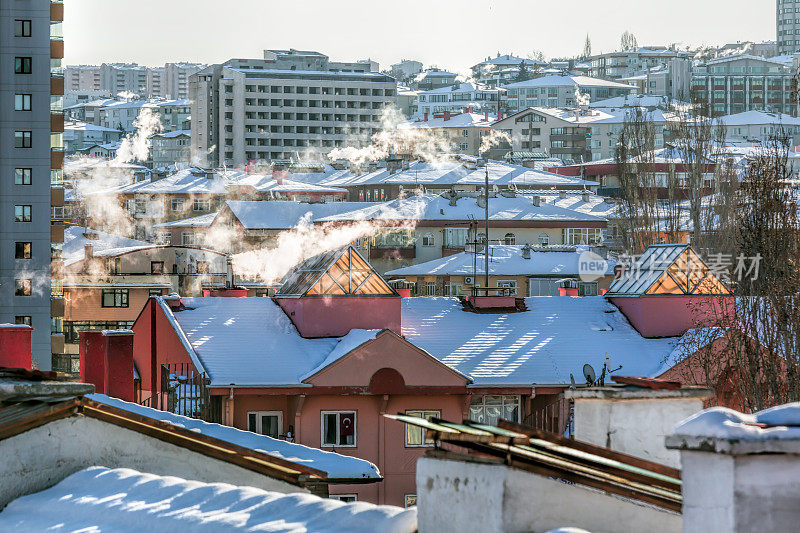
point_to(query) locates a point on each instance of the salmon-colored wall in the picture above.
(417, 368)
(87, 304)
(336, 316)
(670, 316)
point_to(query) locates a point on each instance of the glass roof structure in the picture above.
(336, 273)
(668, 269)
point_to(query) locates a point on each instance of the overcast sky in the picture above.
(452, 34)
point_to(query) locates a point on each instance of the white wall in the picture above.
(467, 496)
(39, 458)
(636, 427)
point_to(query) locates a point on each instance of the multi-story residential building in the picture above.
(500, 70)
(626, 63)
(458, 98)
(561, 91)
(465, 131)
(561, 133)
(175, 114)
(156, 83)
(731, 85)
(79, 135)
(286, 104)
(433, 78)
(82, 96)
(123, 78)
(82, 78)
(787, 26)
(170, 147)
(405, 70)
(407, 100)
(176, 79)
(759, 126)
(122, 114)
(31, 162)
(604, 133)
(671, 79)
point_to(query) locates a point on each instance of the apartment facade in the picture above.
(287, 104)
(31, 161)
(561, 91)
(787, 26)
(626, 63)
(82, 78)
(732, 85)
(169, 81)
(457, 99)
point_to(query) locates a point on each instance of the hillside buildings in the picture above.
(458, 98)
(289, 103)
(31, 161)
(562, 91)
(169, 81)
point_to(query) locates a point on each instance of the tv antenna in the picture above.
(591, 376)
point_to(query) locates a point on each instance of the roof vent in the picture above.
(526, 251)
(537, 201)
(585, 197)
(562, 194)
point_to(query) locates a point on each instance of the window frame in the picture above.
(23, 320)
(347, 498)
(26, 254)
(258, 415)
(406, 498)
(338, 414)
(503, 398)
(23, 65)
(510, 239)
(428, 240)
(21, 29)
(25, 138)
(154, 264)
(124, 300)
(424, 414)
(23, 175)
(21, 288)
(26, 218)
(23, 98)
(181, 202)
(509, 284)
(201, 202)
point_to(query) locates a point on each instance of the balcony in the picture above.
(56, 85)
(56, 196)
(56, 306)
(56, 11)
(570, 137)
(57, 343)
(56, 233)
(57, 51)
(56, 124)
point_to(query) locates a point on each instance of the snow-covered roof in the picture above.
(85, 126)
(509, 59)
(124, 500)
(463, 87)
(173, 134)
(251, 341)
(434, 207)
(187, 181)
(567, 81)
(266, 183)
(541, 346)
(434, 74)
(337, 466)
(200, 221)
(461, 120)
(598, 206)
(447, 174)
(105, 244)
(749, 118)
(504, 260)
(286, 214)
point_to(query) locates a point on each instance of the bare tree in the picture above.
(628, 41)
(536, 55)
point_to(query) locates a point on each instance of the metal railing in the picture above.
(556, 417)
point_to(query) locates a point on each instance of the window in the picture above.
(22, 320)
(22, 287)
(155, 292)
(510, 239)
(415, 436)
(22, 102)
(544, 239)
(201, 205)
(410, 500)
(156, 267)
(22, 250)
(268, 423)
(338, 428)
(115, 297)
(489, 409)
(430, 288)
(178, 204)
(22, 176)
(428, 239)
(347, 498)
(452, 289)
(22, 213)
(575, 236)
(508, 284)
(22, 65)
(23, 139)
(22, 28)
(189, 238)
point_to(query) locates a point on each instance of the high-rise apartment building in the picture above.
(169, 81)
(284, 105)
(787, 26)
(31, 159)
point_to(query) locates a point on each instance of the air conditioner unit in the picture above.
(468, 280)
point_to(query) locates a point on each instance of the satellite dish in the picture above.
(589, 374)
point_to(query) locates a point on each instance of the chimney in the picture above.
(174, 302)
(446, 116)
(537, 201)
(279, 175)
(88, 251)
(562, 194)
(106, 360)
(486, 116)
(526, 251)
(426, 117)
(585, 196)
(15, 346)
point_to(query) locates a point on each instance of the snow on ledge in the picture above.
(723, 430)
(336, 465)
(124, 500)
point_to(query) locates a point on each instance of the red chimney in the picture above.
(106, 359)
(426, 117)
(447, 115)
(174, 302)
(15, 345)
(486, 116)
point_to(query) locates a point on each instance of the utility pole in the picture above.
(486, 227)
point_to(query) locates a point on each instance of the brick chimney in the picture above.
(88, 251)
(15, 346)
(446, 116)
(106, 359)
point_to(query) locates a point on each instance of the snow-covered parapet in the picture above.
(723, 430)
(124, 500)
(740, 472)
